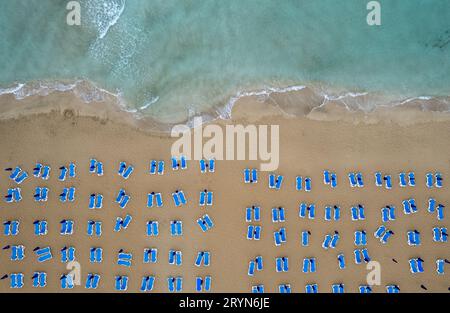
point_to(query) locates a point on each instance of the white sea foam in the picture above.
(89, 92)
(104, 14)
(225, 111)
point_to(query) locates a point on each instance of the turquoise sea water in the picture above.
(165, 57)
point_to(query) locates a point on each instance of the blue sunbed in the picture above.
(326, 177)
(298, 183)
(254, 179)
(333, 180)
(352, 179)
(341, 261)
(402, 179)
(438, 183)
(212, 165)
(161, 168)
(305, 238)
(378, 179)
(307, 184)
(429, 177)
(251, 268)
(128, 172)
(412, 179)
(62, 175)
(247, 176)
(72, 170)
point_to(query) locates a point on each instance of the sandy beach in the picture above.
(60, 129)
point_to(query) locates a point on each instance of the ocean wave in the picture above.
(104, 14)
(89, 92)
(85, 90)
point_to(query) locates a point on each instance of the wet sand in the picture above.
(308, 145)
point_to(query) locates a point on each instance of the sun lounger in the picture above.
(334, 240)
(128, 171)
(429, 179)
(359, 179)
(306, 264)
(341, 260)
(16, 280)
(365, 289)
(431, 205)
(21, 178)
(352, 179)
(92, 166)
(411, 179)
(337, 288)
(413, 266)
(311, 211)
(202, 166)
(63, 173)
(386, 236)
(402, 179)
(121, 283)
(440, 263)
(361, 212)
(258, 289)
(203, 226)
(153, 166)
(406, 207)
(365, 254)
(385, 214)
(413, 206)
(440, 212)
(327, 241)
(358, 256)
(99, 168)
(72, 170)
(308, 184)
(150, 255)
(254, 178)
(210, 224)
(378, 179)
(438, 183)
(333, 180)
(302, 210)
(37, 170)
(355, 214)
(92, 281)
(392, 289)
(420, 265)
(298, 183)
(277, 238)
(124, 202)
(152, 228)
(43, 254)
(122, 167)
(326, 177)
(176, 199)
(337, 213)
(328, 213)
(251, 268)
(311, 288)
(11, 228)
(175, 164)
(15, 173)
(388, 180)
(161, 168)
(284, 288)
(212, 165)
(305, 238)
(39, 279)
(247, 176)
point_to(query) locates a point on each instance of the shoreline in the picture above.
(86, 99)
